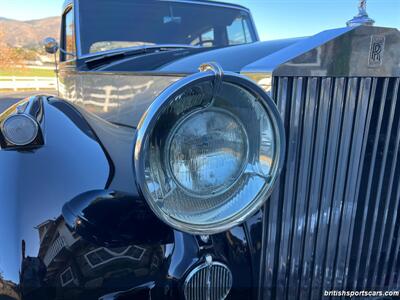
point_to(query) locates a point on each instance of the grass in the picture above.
(27, 72)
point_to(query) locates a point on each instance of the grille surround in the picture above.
(208, 281)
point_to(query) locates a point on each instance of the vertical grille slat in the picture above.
(358, 282)
(348, 162)
(394, 196)
(328, 185)
(307, 133)
(331, 270)
(272, 212)
(394, 268)
(360, 91)
(388, 162)
(292, 161)
(317, 171)
(367, 88)
(377, 193)
(333, 221)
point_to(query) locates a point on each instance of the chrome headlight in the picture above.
(208, 152)
(20, 129)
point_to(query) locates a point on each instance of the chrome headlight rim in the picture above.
(4, 130)
(156, 110)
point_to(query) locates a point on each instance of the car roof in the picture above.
(204, 2)
(208, 2)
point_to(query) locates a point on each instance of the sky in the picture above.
(274, 18)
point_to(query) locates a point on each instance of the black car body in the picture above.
(76, 221)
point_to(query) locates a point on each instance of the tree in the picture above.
(9, 57)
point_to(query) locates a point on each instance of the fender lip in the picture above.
(141, 291)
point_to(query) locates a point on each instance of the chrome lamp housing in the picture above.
(208, 151)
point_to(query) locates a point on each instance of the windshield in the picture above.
(112, 24)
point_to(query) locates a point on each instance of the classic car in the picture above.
(184, 159)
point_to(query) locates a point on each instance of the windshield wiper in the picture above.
(111, 55)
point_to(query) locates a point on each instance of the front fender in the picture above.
(35, 184)
(42, 257)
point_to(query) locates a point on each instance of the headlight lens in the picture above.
(205, 161)
(20, 129)
(208, 152)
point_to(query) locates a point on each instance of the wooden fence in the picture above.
(16, 83)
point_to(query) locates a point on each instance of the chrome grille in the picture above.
(332, 222)
(210, 281)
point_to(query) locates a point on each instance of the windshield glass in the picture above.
(112, 24)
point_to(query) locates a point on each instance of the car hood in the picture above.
(187, 61)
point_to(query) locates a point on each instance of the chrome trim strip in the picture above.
(69, 5)
(66, 4)
(78, 29)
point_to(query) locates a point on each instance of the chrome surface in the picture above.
(359, 51)
(362, 18)
(205, 238)
(208, 281)
(218, 75)
(77, 27)
(332, 222)
(50, 45)
(148, 122)
(67, 4)
(8, 135)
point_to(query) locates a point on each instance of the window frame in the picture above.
(69, 269)
(246, 25)
(63, 56)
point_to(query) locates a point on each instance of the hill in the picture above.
(29, 34)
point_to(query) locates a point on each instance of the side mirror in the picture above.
(50, 45)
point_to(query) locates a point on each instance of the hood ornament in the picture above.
(362, 18)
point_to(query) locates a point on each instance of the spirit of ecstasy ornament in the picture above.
(362, 18)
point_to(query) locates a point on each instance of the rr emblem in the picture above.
(376, 51)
